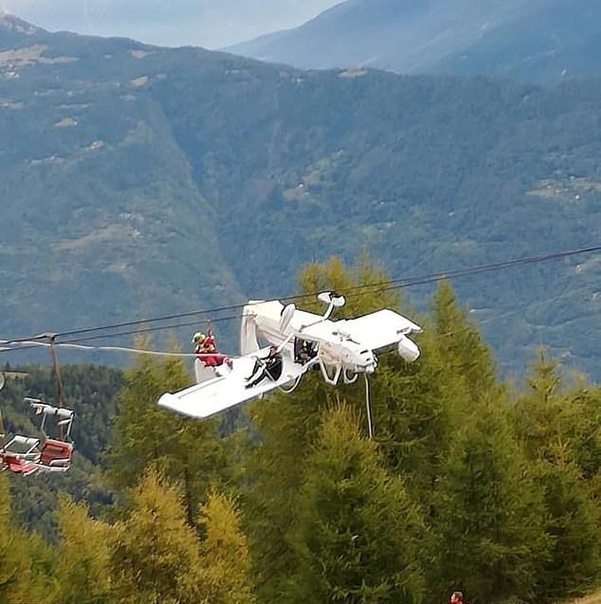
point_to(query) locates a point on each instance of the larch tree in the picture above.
(189, 452)
(560, 431)
(573, 565)
(357, 534)
(287, 424)
(490, 515)
(83, 557)
(225, 555)
(155, 554)
(25, 560)
(469, 362)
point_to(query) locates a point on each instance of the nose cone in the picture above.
(368, 360)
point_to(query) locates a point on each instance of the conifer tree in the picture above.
(155, 555)
(559, 429)
(357, 535)
(364, 286)
(539, 414)
(188, 452)
(25, 561)
(225, 556)
(82, 568)
(287, 424)
(573, 565)
(489, 513)
(559, 422)
(467, 359)
(412, 413)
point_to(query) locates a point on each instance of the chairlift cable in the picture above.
(388, 285)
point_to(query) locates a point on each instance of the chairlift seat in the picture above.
(56, 453)
(29, 442)
(18, 465)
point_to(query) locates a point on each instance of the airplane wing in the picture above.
(227, 390)
(378, 329)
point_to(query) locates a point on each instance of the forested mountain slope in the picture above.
(535, 40)
(101, 218)
(139, 182)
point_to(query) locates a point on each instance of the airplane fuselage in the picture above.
(349, 355)
(337, 351)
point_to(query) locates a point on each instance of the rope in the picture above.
(370, 427)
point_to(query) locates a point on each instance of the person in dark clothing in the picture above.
(304, 351)
(270, 366)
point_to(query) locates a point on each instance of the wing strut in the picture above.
(370, 426)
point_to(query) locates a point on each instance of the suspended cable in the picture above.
(390, 284)
(386, 285)
(73, 344)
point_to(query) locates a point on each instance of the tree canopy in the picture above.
(468, 483)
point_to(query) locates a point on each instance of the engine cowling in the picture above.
(407, 349)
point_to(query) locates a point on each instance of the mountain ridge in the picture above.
(532, 41)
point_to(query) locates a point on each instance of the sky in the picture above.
(211, 24)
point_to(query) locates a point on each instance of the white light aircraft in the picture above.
(340, 349)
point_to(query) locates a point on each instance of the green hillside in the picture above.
(101, 219)
(138, 182)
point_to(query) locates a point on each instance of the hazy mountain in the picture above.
(557, 40)
(530, 39)
(139, 182)
(206, 23)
